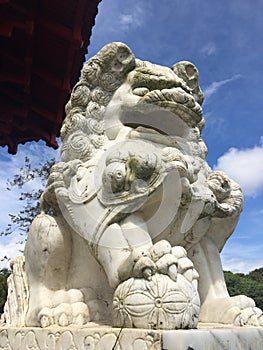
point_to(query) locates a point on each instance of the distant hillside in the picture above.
(250, 285)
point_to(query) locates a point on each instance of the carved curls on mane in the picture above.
(83, 128)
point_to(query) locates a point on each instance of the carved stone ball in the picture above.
(159, 303)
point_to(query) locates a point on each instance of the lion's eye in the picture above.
(225, 184)
(140, 91)
(116, 65)
(119, 174)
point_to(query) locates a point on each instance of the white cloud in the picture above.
(237, 265)
(242, 256)
(10, 250)
(244, 166)
(126, 19)
(213, 88)
(133, 19)
(208, 49)
(215, 124)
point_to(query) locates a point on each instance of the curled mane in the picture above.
(82, 132)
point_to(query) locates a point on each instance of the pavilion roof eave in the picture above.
(43, 46)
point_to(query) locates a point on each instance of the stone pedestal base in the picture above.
(211, 338)
(107, 338)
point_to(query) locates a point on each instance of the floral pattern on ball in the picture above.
(159, 303)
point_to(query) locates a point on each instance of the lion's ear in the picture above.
(111, 65)
(189, 73)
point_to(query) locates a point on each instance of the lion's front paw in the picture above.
(67, 308)
(164, 259)
(249, 313)
(259, 315)
(144, 268)
(238, 310)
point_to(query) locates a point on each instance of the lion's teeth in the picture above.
(175, 95)
(140, 91)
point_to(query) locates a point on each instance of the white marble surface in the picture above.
(107, 338)
(246, 338)
(72, 338)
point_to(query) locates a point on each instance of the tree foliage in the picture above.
(256, 275)
(4, 273)
(30, 199)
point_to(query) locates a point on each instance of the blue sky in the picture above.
(224, 40)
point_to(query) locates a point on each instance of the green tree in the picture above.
(256, 275)
(30, 209)
(4, 273)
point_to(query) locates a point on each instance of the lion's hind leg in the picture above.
(47, 261)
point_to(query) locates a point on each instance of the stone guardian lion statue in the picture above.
(138, 217)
